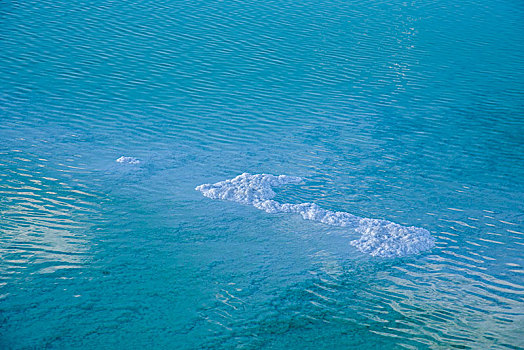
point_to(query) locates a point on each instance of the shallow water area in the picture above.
(112, 114)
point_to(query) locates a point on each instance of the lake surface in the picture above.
(411, 112)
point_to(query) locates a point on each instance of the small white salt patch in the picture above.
(127, 160)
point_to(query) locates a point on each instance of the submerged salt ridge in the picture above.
(379, 237)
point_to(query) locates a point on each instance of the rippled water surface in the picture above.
(411, 112)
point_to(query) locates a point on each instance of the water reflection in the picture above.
(43, 224)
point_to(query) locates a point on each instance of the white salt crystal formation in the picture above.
(380, 238)
(127, 160)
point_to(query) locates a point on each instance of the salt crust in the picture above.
(380, 238)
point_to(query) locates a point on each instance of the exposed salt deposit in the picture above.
(128, 160)
(379, 237)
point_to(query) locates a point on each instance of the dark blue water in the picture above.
(411, 112)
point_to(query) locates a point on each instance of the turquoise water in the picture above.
(411, 112)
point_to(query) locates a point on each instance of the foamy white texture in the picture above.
(128, 160)
(379, 237)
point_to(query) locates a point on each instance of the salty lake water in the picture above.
(411, 112)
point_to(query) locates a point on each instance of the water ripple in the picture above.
(409, 112)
